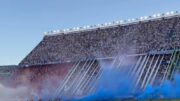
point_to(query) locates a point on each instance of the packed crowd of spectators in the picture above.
(160, 34)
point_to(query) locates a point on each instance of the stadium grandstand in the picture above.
(70, 59)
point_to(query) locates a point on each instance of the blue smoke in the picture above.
(112, 84)
(168, 90)
(115, 84)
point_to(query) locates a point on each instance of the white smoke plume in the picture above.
(15, 94)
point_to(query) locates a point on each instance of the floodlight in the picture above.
(54, 31)
(64, 30)
(154, 15)
(116, 22)
(109, 23)
(167, 13)
(129, 20)
(172, 12)
(106, 24)
(158, 15)
(87, 26)
(121, 21)
(45, 33)
(98, 25)
(141, 18)
(145, 17)
(132, 19)
(77, 28)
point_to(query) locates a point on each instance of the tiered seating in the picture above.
(107, 42)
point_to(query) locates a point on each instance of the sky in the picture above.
(22, 22)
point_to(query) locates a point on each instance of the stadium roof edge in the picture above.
(154, 17)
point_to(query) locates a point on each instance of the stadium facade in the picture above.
(70, 60)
